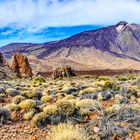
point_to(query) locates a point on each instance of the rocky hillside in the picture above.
(113, 47)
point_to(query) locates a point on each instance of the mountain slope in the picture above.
(113, 47)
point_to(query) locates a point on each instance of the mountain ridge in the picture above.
(116, 46)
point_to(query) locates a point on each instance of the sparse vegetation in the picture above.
(18, 99)
(88, 90)
(4, 115)
(12, 107)
(88, 104)
(46, 98)
(51, 110)
(102, 105)
(107, 85)
(12, 92)
(65, 107)
(38, 80)
(27, 104)
(39, 120)
(29, 115)
(67, 131)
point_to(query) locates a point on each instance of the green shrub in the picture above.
(4, 115)
(18, 99)
(103, 78)
(116, 88)
(88, 104)
(34, 95)
(73, 101)
(12, 107)
(51, 110)
(131, 77)
(122, 78)
(69, 97)
(67, 131)
(90, 76)
(84, 112)
(38, 80)
(25, 93)
(65, 107)
(46, 98)
(39, 120)
(69, 90)
(29, 115)
(88, 90)
(42, 106)
(114, 108)
(27, 104)
(61, 96)
(107, 85)
(12, 92)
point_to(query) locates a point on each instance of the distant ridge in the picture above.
(114, 47)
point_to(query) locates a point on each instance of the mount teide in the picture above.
(113, 47)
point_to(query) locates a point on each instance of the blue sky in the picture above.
(10, 35)
(39, 21)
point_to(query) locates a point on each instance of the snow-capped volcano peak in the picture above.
(120, 26)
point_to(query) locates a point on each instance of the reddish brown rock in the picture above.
(21, 66)
(63, 72)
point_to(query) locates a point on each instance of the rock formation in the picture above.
(63, 72)
(21, 66)
(2, 61)
(5, 71)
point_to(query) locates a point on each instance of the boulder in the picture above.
(21, 66)
(63, 72)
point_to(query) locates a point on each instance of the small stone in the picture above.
(124, 100)
(96, 129)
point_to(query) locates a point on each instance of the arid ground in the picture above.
(86, 107)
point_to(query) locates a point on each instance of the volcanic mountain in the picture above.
(112, 47)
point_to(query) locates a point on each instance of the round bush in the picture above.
(27, 104)
(65, 107)
(29, 115)
(12, 92)
(12, 107)
(4, 115)
(39, 120)
(34, 95)
(88, 104)
(38, 80)
(67, 131)
(51, 110)
(46, 98)
(18, 99)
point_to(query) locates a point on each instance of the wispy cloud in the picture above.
(9, 35)
(37, 14)
(29, 20)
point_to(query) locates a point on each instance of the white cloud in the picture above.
(36, 14)
(7, 32)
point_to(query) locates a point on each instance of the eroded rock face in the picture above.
(2, 61)
(21, 66)
(63, 72)
(5, 72)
